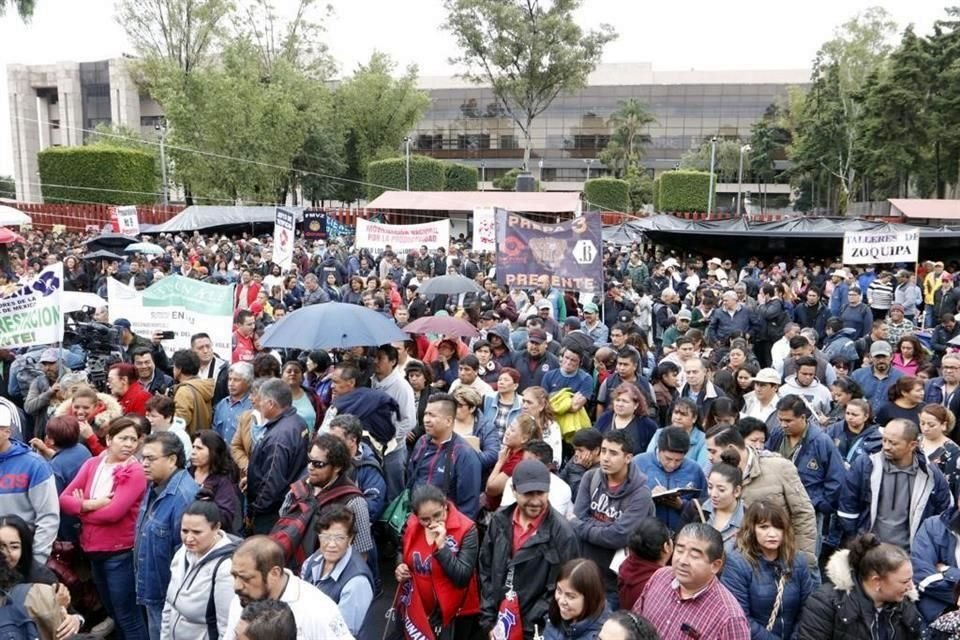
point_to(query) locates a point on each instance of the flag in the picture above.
(509, 624)
(411, 614)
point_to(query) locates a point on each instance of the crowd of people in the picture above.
(707, 449)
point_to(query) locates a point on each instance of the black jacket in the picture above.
(277, 462)
(840, 610)
(536, 566)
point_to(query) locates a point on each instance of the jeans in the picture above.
(154, 619)
(114, 579)
(395, 471)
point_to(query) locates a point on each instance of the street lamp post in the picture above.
(713, 157)
(406, 145)
(588, 162)
(743, 149)
(483, 174)
(162, 128)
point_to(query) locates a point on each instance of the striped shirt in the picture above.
(711, 614)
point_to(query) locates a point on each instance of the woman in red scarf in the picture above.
(521, 431)
(440, 552)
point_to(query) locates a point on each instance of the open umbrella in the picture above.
(449, 286)
(331, 325)
(77, 300)
(101, 254)
(110, 242)
(10, 216)
(146, 248)
(9, 237)
(446, 325)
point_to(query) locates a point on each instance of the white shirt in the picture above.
(317, 616)
(559, 496)
(779, 352)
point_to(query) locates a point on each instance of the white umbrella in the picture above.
(77, 300)
(10, 217)
(145, 248)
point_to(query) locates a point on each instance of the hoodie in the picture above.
(194, 404)
(632, 577)
(817, 396)
(28, 489)
(605, 515)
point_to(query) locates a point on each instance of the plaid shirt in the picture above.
(711, 614)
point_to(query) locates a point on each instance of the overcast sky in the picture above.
(700, 34)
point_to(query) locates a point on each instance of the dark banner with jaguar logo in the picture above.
(568, 253)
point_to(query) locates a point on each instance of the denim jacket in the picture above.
(158, 535)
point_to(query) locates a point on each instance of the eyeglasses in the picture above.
(317, 464)
(336, 538)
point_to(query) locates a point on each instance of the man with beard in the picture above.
(258, 575)
(525, 547)
(877, 379)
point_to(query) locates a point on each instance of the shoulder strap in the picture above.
(213, 631)
(326, 497)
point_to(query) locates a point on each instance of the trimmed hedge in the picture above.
(656, 193)
(685, 190)
(608, 194)
(127, 176)
(460, 177)
(508, 181)
(426, 174)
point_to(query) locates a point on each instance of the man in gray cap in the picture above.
(677, 329)
(592, 325)
(526, 545)
(43, 389)
(877, 379)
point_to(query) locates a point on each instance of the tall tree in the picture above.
(726, 159)
(528, 51)
(296, 41)
(944, 49)
(24, 7)
(377, 110)
(628, 125)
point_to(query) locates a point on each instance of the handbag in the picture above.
(397, 512)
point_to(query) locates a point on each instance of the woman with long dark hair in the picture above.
(766, 575)
(213, 468)
(905, 401)
(578, 609)
(628, 411)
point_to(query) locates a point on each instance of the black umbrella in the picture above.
(101, 254)
(110, 242)
(449, 286)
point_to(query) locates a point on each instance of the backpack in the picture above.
(291, 528)
(15, 622)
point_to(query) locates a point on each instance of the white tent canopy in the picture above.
(10, 217)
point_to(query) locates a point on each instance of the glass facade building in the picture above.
(465, 122)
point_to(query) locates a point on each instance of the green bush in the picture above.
(656, 193)
(610, 194)
(685, 191)
(426, 174)
(126, 176)
(460, 177)
(508, 181)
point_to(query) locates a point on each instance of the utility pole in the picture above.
(406, 144)
(743, 149)
(162, 128)
(713, 157)
(483, 174)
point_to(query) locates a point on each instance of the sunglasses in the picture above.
(317, 464)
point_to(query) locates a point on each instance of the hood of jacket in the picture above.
(841, 575)
(106, 410)
(843, 333)
(16, 449)
(501, 331)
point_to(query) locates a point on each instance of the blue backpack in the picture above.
(15, 622)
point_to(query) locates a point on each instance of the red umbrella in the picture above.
(9, 237)
(446, 325)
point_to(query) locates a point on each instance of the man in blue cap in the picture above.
(131, 342)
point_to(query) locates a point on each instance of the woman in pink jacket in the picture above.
(106, 495)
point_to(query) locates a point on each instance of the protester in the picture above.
(578, 609)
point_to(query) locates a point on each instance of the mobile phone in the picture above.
(167, 335)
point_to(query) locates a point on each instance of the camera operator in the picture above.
(151, 378)
(131, 342)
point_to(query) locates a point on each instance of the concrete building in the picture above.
(60, 104)
(55, 104)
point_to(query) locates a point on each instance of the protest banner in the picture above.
(125, 220)
(30, 312)
(315, 224)
(284, 232)
(568, 252)
(402, 237)
(879, 247)
(484, 229)
(182, 305)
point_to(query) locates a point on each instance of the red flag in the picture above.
(411, 614)
(509, 625)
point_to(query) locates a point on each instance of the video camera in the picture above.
(101, 344)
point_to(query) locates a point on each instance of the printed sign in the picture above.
(877, 247)
(403, 237)
(125, 221)
(315, 224)
(484, 230)
(182, 305)
(568, 253)
(284, 230)
(30, 311)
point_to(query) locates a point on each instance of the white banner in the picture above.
(30, 311)
(877, 247)
(283, 236)
(484, 230)
(403, 237)
(127, 221)
(182, 305)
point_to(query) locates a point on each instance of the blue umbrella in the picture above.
(332, 325)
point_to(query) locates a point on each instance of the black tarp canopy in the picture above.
(801, 236)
